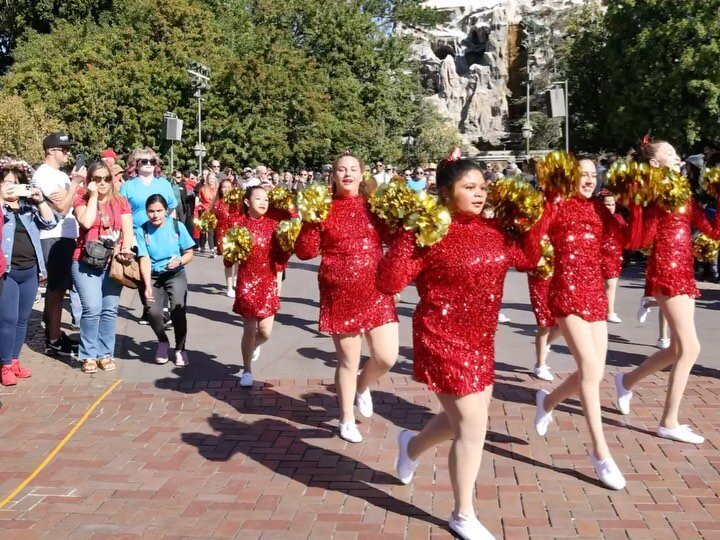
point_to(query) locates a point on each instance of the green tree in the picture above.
(433, 140)
(23, 127)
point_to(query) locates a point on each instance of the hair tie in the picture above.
(455, 155)
(646, 140)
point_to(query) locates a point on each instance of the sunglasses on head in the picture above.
(101, 179)
(147, 161)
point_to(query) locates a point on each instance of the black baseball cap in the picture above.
(56, 140)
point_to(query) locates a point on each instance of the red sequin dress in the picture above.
(256, 292)
(612, 250)
(460, 282)
(350, 242)
(670, 267)
(578, 228)
(539, 288)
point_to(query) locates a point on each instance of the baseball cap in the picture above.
(432, 166)
(56, 140)
(327, 168)
(109, 153)
(248, 169)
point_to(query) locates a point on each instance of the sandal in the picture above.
(107, 364)
(90, 366)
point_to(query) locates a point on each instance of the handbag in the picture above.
(126, 273)
(97, 253)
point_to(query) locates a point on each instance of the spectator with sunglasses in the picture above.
(145, 178)
(104, 216)
(23, 214)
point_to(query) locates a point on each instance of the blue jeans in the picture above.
(99, 296)
(16, 302)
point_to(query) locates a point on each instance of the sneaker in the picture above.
(613, 318)
(663, 343)
(181, 359)
(350, 432)
(681, 433)
(7, 375)
(542, 418)
(469, 528)
(256, 354)
(230, 293)
(548, 348)
(62, 346)
(543, 373)
(168, 323)
(404, 466)
(246, 380)
(364, 403)
(623, 395)
(643, 309)
(20, 371)
(144, 322)
(608, 473)
(145, 317)
(502, 319)
(161, 353)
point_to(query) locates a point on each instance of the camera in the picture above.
(109, 243)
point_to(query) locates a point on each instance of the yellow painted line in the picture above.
(59, 445)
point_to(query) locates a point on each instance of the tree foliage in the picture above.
(293, 81)
(23, 127)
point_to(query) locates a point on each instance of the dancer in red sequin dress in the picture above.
(612, 256)
(350, 242)
(577, 228)
(460, 283)
(547, 328)
(224, 214)
(670, 279)
(256, 292)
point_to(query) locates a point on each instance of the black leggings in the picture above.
(173, 287)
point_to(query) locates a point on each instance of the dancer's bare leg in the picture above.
(347, 347)
(383, 342)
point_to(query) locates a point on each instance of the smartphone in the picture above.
(79, 161)
(22, 190)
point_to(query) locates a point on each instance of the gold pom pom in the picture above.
(313, 203)
(705, 249)
(672, 192)
(633, 181)
(234, 197)
(429, 220)
(710, 182)
(518, 205)
(558, 173)
(393, 202)
(287, 232)
(207, 221)
(236, 244)
(281, 198)
(544, 269)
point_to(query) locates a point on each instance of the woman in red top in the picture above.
(224, 213)
(206, 197)
(577, 228)
(460, 283)
(256, 292)
(671, 280)
(350, 242)
(612, 256)
(104, 216)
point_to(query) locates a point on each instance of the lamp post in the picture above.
(527, 133)
(199, 81)
(567, 114)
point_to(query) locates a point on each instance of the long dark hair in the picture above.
(450, 172)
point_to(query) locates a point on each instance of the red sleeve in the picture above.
(307, 245)
(79, 201)
(531, 241)
(401, 264)
(280, 257)
(124, 206)
(702, 223)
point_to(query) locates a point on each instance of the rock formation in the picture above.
(471, 66)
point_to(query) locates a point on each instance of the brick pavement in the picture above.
(184, 457)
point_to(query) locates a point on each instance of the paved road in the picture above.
(297, 349)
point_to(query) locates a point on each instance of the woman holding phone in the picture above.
(165, 248)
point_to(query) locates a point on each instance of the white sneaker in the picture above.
(613, 318)
(230, 293)
(643, 309)
(623, 395)
(246, 380)
(608, 473)
(162, 353)
(663, 343)
(502, 319)
(681, 433)
(181, 359)
(404, 466)
(542, 418)
(364, 403)
(469, 528)
(256, 354)
(350, 432)
(548, 347)
(543, 373)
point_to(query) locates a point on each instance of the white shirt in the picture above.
(382, 177)
(49, 181)
(252, 182)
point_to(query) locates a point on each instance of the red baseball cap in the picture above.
(109, 153)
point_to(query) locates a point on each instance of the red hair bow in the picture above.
(455, 155)
(646, 140)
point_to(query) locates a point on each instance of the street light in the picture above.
(199, 81)
(527, 133)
